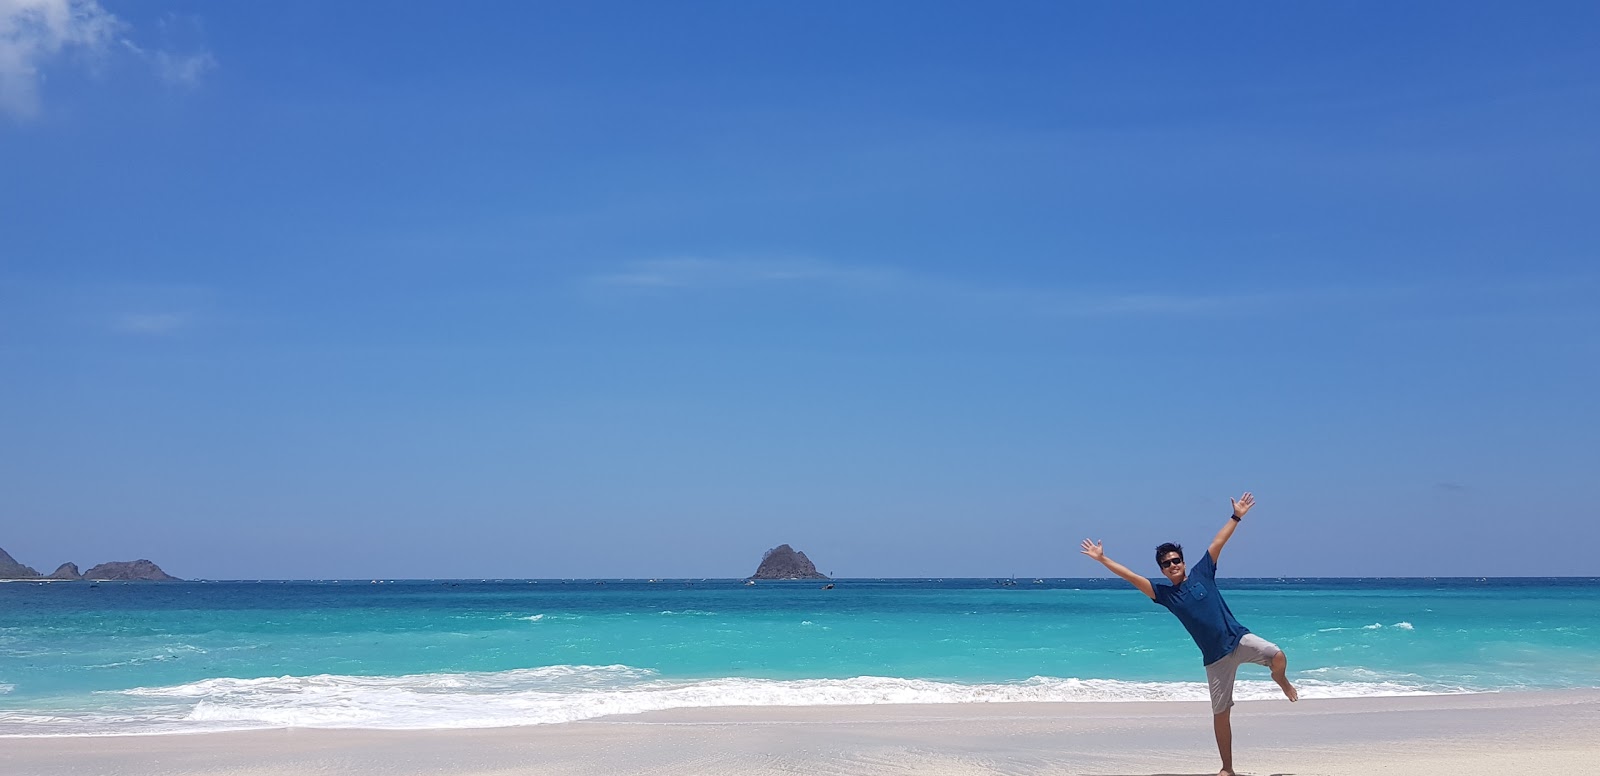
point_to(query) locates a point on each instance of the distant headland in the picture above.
(784, 562)
(121, 571)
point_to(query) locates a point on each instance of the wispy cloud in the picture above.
(689, 273)
(178, 69)
(151, 323)
(685, 275)
(147, 310)
(34, 33)
(184, 70)
(1133, 304)
(126, 311)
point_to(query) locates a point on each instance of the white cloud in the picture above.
(755, 275)
(1150, 304)
(183, 70)
(34, 31)
(181, 33)
(150, 323)
(717, 273)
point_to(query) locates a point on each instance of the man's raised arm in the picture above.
(1097, 551)
(1241, 506)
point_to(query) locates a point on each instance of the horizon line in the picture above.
(648, 580)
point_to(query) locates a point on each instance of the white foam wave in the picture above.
(559, 678)
(1375, 626)
(536, 617)
(173, 653)
(1344, 674)
(566, 693)
(1405, 626)
(6, 688)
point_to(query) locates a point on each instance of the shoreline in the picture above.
(1046, 580)
(627, 706)
(1534, 731)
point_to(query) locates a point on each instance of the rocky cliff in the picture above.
(67, 571)
(117, 570)
(124, 570)
(11, 569)
(784, 562)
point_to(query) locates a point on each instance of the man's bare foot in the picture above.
(1226, 772)
(1288, 689)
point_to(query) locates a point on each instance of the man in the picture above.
(1192, 595)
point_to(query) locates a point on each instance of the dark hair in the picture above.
(1167, 548)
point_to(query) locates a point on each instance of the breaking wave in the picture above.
(566, 693)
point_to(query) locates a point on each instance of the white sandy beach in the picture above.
(1512, 733)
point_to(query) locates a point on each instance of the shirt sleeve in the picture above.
(1206, 567)
(1162, 590)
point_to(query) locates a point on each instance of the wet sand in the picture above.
(1510, 733)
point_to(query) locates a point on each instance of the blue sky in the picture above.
(313, 289)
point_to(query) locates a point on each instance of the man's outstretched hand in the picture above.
(1096, 550)
(1243, 505)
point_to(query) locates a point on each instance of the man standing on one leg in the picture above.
(1192, 595)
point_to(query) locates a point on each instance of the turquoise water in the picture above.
(77, 658)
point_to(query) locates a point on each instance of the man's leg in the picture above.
(1280, 663)
(1220, 677)
(1223, 725)
(1254, 649)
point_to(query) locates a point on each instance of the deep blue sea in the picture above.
(79, 659)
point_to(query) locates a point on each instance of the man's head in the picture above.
(1170, 557)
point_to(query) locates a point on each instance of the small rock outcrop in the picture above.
(11, 569)
(129, 570)
(784, 562)
(67, 571)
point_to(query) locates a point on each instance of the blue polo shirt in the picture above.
(1199, 606)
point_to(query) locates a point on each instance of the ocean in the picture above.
(115, 658)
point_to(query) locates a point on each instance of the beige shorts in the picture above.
(1220, 675)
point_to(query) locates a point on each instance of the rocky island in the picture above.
(121, 571)
(66, 571)
(129, 570)
(11, 569)
(784, 562)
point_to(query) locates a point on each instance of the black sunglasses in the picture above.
(1171, 562)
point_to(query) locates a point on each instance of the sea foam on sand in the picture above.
(1458, 735)
(566, 693)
